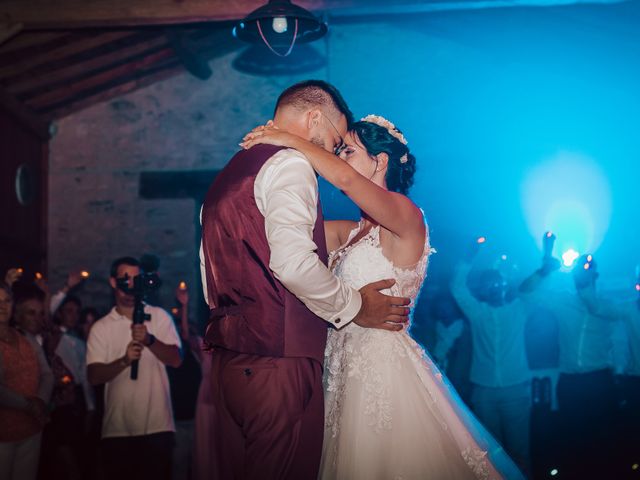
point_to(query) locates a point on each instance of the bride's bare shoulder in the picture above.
(340, 229)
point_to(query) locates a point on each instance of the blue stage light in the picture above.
(554, 472)
(569, 195)
(569, 257)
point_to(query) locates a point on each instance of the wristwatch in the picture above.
(152, 340)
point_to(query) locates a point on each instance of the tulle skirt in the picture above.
(391, 415)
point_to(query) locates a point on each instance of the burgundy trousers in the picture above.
(269, 417)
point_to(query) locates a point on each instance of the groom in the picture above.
(272, 296)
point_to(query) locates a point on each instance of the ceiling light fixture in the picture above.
(280, 25)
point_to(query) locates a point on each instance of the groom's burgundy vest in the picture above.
(252, 312)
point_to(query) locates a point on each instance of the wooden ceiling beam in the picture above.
(27, 39)
(24, 115)
(32, 80)
(41, 100)
(115, 89)
(20, 61)
(9, 30)
(65, 14)
(44, 14)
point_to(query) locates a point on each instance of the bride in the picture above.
(389, 412)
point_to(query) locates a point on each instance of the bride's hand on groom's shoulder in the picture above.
(268, 134)
(382, 311)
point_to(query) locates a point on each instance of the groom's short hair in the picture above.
(313, 94)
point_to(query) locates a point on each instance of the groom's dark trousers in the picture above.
(269, 416)
(268, 348)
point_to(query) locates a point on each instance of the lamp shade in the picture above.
(280, 23)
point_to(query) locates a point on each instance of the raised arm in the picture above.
(467, 302)
(392, 210)
(549, 265)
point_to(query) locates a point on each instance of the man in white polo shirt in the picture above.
(137, 428)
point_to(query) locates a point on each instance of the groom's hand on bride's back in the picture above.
(382, 311)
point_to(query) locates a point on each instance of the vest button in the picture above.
(247, 371)
(338, 320)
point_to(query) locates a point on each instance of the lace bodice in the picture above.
(364, 262)
(352, 351)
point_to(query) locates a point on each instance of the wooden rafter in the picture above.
(9, 30)
(110, 13)
(114, 89)
(40, 100)
(19, 61)
(76, 78)
(65, 73)
(27, 39)
(24, 115)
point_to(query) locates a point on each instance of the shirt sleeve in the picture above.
(45, 380)
(97, 345)
(56, 300)
(286, 192)
(164, 328)
(460, 291)
(87, 389)
(203, 272)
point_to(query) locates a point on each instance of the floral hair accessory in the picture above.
(391, 128)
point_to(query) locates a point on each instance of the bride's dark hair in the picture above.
(377, 139)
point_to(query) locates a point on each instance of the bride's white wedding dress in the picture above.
(389, 412)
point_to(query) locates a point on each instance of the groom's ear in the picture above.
(383, 160)
(313, 119)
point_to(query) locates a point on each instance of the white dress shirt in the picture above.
(73, 351)
(584, 324)
(286, 193)
(628, 314)
(498, 356)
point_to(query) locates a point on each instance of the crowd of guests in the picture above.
(595, 399)
(69, 408)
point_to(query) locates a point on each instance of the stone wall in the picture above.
(97, 155)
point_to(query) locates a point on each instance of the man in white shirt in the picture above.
(585, 390)
(627, 312)
(500, 375)
(137, 428)
(271, 295)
